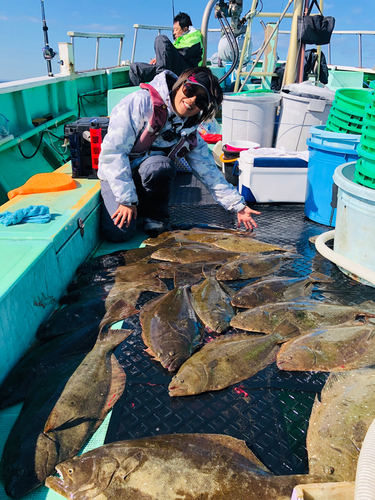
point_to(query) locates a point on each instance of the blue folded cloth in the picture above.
(38, 214)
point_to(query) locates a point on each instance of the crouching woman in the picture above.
(147, 131)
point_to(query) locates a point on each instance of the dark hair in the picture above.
(213, 88)
(183, 20)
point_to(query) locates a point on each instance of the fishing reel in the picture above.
(48, 53)
(233, 10)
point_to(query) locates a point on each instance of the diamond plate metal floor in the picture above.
(270, 411)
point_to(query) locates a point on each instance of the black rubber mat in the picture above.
(270, 410)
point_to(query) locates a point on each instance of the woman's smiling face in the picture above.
(185, 106)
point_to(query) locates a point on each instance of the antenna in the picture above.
(48, 52)
(173, 9)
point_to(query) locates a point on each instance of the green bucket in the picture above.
(350, 119)
(353, 100)
(364, 173)
(335, 124)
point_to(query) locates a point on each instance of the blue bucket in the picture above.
(327, 151)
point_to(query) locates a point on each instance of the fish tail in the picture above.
(182, 278)
(320, 277)
(113, 337)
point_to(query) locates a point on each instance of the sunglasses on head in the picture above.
(191, 90)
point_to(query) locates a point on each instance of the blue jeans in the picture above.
(153, 180)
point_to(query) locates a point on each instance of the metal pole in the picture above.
(329, 53)
(247, 40)
(291, 60)
(45, 29)
(360, 50)
(119, 52)
(134, 44)
(97, 53)
(204, 28)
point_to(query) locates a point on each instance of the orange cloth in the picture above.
(44, 183)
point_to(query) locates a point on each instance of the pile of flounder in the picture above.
(71, 379)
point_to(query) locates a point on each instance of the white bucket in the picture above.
(249, 117)
(297, 115)
(355, 220)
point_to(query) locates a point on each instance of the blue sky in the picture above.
(21, 35)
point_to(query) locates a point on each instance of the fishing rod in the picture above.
(48, 52)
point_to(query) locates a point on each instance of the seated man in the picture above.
(185, 52)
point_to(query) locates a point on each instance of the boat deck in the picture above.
(270, 411)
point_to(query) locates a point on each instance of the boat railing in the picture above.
(360, 34)
(98, 36)
(157, 28)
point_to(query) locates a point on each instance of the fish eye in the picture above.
(20, 472)
(171, 353)
(70, 471)
(329, 470)
(181, 381)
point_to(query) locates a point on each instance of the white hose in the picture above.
(365, 475)
(347, 264)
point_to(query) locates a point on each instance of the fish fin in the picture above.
(118, 381)
(233, 337)
(334, 379)
(320, 277)
(287, 329)
(182, 278)
(368, 305)
(371, 334)
(237, 446)
(118, 311)
(132, 463)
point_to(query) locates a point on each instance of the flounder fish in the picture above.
(285, 317)
(171, 329)
(170, 467)
(212, 302)
(253, 266)
(88, 396)
(130, 291)
(227, 239)
(193, 253)
(331, 349)
(339, 422)
(276, 289)
(225, 361)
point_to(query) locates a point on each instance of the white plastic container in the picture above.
(355, 220)
(268, 175)
(249, 116)
(298, 113)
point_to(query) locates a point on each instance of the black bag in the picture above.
(314, 29)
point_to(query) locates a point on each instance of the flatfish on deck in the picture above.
(276, 289)
(88, 396)
(227, 239)
(212, 302)
(331, 349)
(170, 467)
(339, 422)
(225, 361)
(130, 291)
(194, 253)
(300, 316)
(171, 329)
(253, 266)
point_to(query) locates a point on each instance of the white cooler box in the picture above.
(268, 175)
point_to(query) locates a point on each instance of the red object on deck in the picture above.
(96, 144)
(211, 138)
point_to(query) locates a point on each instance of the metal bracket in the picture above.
(81, 226)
